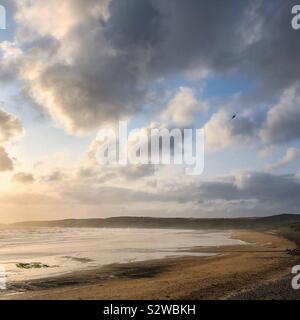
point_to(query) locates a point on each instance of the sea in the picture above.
(34, 253)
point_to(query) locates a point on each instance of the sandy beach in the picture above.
(259, 270)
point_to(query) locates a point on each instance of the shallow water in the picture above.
(71, 249)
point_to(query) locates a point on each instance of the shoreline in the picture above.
(231, 272)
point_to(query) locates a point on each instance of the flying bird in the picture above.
(233, 117)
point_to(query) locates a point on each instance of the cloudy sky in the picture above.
(71, 67)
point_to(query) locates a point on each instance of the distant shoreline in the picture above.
(169, 223)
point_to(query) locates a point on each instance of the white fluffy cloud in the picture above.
(56, 18)
(183, 107)
(223, 131)
(70, 69)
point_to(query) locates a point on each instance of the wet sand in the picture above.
(259, 270)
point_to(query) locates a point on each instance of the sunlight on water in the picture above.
(63, 250)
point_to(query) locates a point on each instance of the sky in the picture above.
(69, 68)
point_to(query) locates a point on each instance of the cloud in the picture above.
(55, 176)
(240, 194)
(82, 86)
(223, 131)
(260, 186)
(42, 18)
(89, 63)
(291, 155)
(251, 193)
(23, 178)
(241, 35)
(10, 53)
(10, 127)
(182, 109)
(278, 126)
(6, 163)
(101, 174)
(267, 193)
(282, 123)
(128, 46)
(30, 199)
(98, 195)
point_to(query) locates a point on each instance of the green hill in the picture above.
(170, 223)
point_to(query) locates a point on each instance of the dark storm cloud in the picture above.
(273, 59)
(252, 37)
(178, 34)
